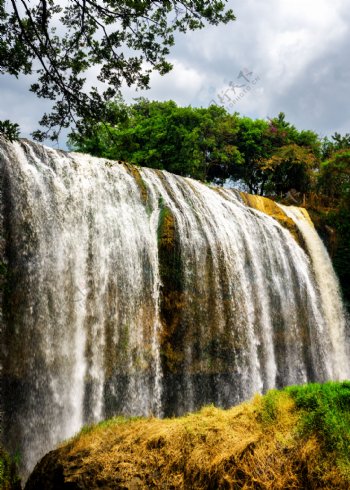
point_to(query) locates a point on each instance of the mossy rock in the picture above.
(134, 171)
(172, 299)
(269, 207)
(9, 479)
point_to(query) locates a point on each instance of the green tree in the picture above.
(254, 144)
(334, 189)
(9, 130)
(217, 136)
(290, 167)
(188, 141)
(126, 40)
(339, 142)
(334, 177)
(272, 152)
(204, 143)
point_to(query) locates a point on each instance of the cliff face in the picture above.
(274, 442)
(139, 292)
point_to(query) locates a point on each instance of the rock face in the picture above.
(138, 292)
(48, 474)
(272, 209)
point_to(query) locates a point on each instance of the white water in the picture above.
(329, 288)
(87, 335)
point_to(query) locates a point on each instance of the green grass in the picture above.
(325, 411)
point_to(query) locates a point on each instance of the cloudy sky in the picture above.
(279, 55)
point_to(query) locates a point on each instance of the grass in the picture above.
(295, 438)
(325, 412)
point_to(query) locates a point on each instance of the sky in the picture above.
(288, 56)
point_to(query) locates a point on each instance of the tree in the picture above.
(204, 143)
(334, 177)
(217, 141)
(339, 143)
(264, 145)
(9, 130)
(290, 167)
(254, 145)
(126, 40)
(195, 142)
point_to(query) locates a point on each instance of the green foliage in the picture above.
(339, 220)
(322, 410)
(334, 178)
(326, 413)
(334, 185)
(59, 42)
(269, 412)
(339, 142)
(254, 145)
(207, 144)
(9, 479)
(275, 155)
(9, 130)
(187, 141)
(290, 167)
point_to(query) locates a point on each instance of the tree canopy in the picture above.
(334, 178)
(125, 40)
(189, 141)
(205, 143)
(9, 130)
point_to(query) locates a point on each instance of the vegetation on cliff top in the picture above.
(295, 438)
(204, 143)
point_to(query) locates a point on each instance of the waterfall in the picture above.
(135, 291)
(329, 289)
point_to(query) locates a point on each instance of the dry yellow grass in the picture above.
(240, 448)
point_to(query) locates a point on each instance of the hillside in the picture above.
(295, 438)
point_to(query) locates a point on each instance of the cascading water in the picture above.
(139, 292)
(329, 289)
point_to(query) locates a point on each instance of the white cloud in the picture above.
(181, 85)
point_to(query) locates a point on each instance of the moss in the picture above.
(141, 184)
(9, 479)
(168, 250)
(172, 299)
(166, 227)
